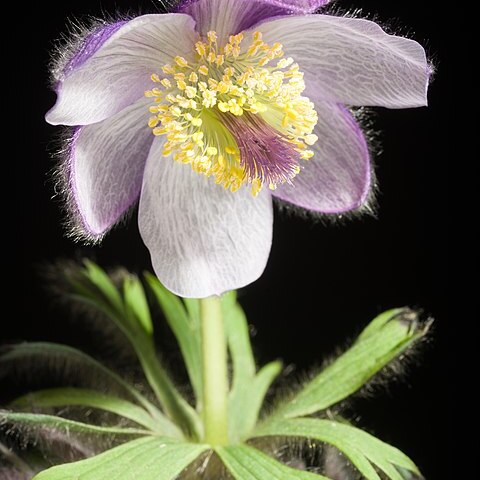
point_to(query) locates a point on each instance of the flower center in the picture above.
(233, 114)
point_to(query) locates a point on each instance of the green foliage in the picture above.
(131, 314)
(390, 334)
(136, 305)
(149, 458)
(248, 463)
(41, 420)
(362, 449)
(164, 436)
(55, 354)
(62, 397)
(185, 326)
(248, 387)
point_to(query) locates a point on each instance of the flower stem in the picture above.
(214, 370)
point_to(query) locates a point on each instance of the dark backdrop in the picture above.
(322, 283)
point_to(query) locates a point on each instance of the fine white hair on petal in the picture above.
(203, 240)
(365, 118)
(73, 41)
(299, 6)
(101, 170)
(353, 61)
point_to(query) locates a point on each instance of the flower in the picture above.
(208, 113)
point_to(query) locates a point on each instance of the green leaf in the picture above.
(380, 321)
(378, 347)
(41, 420)
(102, 281)
(186, 329)
(248, 463)
(136, 302)
(174, 405)
(193, 309)
(62, 397)
(238, 337)
(260, 386)
(57, 353)
(248, 388)
(245, 405)
(364, 450)
(152, 458)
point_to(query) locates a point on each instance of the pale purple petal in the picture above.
(203, 239)
(228, 17)
(86, 48)
(353, 61)
(337, 178)
(106, 167)
(286, 6)
(118, 72)
(299, 6)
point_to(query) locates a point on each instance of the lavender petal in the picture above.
(105, 170)
(228, 17)
(338, 177)
(85, 48)
(118, 72)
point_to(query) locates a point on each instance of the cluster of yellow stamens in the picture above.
(196, 102)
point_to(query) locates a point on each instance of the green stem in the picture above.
(214, 370)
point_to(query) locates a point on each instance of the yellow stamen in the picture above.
(212, 36)
(181, 62)
(203, 70)
(201, 48)
(256, 186)
(230, 79)
(231, 150)
(168, 70)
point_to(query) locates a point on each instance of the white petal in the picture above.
(106, 167)
(118, 73)
(203, 239)
(353, 61)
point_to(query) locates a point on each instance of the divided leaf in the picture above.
(364, 450)
(136, 303)
(248, 463)
(150, 458)
(384, 339)
(62, 397)
(248, 388)
(186, 328)
(238, 337)
(131, 314)
(54, 353)
(41, 420)
(102, 281)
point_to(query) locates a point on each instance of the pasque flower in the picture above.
(207, 113)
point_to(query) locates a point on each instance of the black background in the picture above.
(322, 282)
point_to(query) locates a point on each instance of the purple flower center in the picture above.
(264, 153)
(235, 113)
